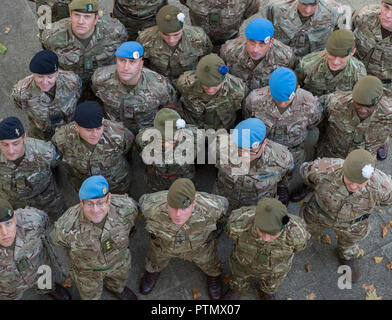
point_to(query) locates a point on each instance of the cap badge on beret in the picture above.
(104, 190)
(292, 95)
(367, 171)
(267, 39)
(136, 55)
(17, 132)
(181, 17)
(187, 202)
(89, 7)
(255, 145)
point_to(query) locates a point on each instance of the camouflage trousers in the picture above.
(90, 282)
(205, 257)
(349, 235)
(298, 153)
(270, 280)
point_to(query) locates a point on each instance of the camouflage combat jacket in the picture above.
(109, 34)
(59, 8)
(137, 107)
(19, 266)
(141, 8)
(211, 112)
(345, 132)
(331, 196)
(191, 236)
(43, 113)
(193, 45)
(250, 249)
(314, 74)
(255, 75)
(307, 37)
(89, 247)
(107, 158)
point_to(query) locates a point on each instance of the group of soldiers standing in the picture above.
(103, 85)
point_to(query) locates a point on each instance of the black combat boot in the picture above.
(214, 285)
(60, 293)
(148, 282)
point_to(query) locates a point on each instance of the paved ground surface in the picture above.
(180, 278)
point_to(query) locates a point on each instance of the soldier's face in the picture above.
(181, 216)
(172, 38)
(91, 136)
(45, 82)
(13, 149)
(129, 69)
(339, 63)
(267, 237)
(250, 154)
(257, 49)
(95, 210)
(362, 111)
(307, 10)
(212, 90)
(352, 186)
(386, 16)
(83, 24)
(8, 232)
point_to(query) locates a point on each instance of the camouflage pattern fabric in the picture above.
(290, 128)
(32, 183)
(137, 15)
(253, 257)
(107, 158)
(255, 73)
(109, 34)
(260, 178)
(314, 75)
(161, 58)
(211, 112)
(97, 256)
(345, 132)
(333, 206)
(135, 108)
(59, 8)
(19, 265)
(307, 37)
(44, 113)
(192, 242)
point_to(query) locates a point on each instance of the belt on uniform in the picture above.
(386, 81)
(101, 270)
(126, 12)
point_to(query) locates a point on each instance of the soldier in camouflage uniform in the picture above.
(48, 95)
(361, 119)
(131, 93)
(304, 25)
(137, 15)
(254, 57)
(250, 166)
(59, 8)
(95, 235)
(85, 41)
(180, 223)
(170, 47)
(162, 153)
(92, 145)
(222, 19)
(333, 69)
(372, 29)
(26, 167)
(346, 193)
(266, 238)
(22, 252)
(210, 96)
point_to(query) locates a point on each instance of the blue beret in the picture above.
(11, 128)
(283, 83)
(94, 187)
(130, 50)
(260, 29)
(44, 62)
(89, 115)
(252, 138)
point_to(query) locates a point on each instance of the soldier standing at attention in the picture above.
(49, 95)
(346, 193)
(170, 47)
(266, 239)
(130, 92)
(256, 55)
(180, 223)
(95, 235)
(85, 41)
(26, 167)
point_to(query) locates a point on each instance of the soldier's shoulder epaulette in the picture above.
(186, 80)
(232, 49)
(197, 35)
(69, 220)
(241, 219)
(30, 218)
(338, 101)
(56, 35)
(328, 9)
(114, 130)
(278, 154)
(110, 27)
(385, 106)
(367, 11)
(282, 52)
(20, 90)
(327, 165)
(125, 204)
(312, 60)
(207, 200)
(64, 134)
(151, 203)
(153, 77)
(43, 148)
(296, 230)
(103, 74)
(307, 97)
(236, 84)
(148, 36)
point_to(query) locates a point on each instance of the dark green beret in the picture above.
(181, 193)
(170, 19)
(271, 216)
(84, 6)
(211, 70)
(166, 115)
(340, 43)
(359, 165)
(6, 211)
(368, 90)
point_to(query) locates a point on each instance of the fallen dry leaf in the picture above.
(389, 265)
(326, 239)
(7, 30)
(378, 259)
(384, 230)
(243, 293)
(390, 224)
(196, 294)
(361, 252)
(289, 299)
(307, 268)
(379, 211)
(67, 283)
(311, 296)
(372, 295)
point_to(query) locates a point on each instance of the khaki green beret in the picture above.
(368, 90)
(181, 193)
(211, 70)
(84, 6)
(340, 43)
(359, 165)
(6, 211)
(170, 117)
(170, 19)
(271, 216)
